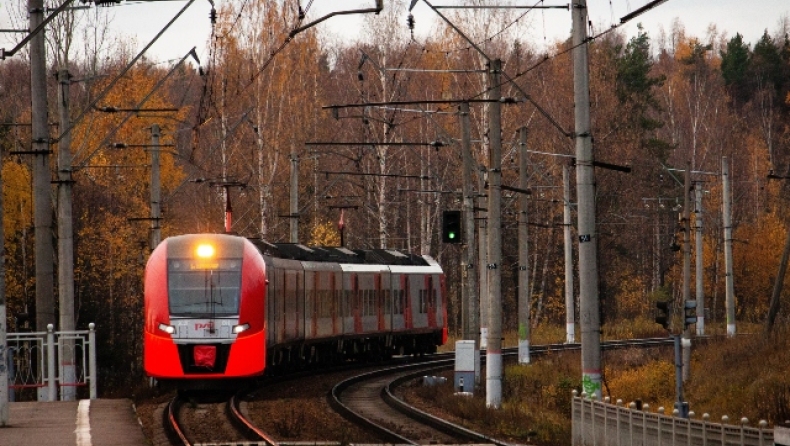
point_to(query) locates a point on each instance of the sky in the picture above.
(143, 20)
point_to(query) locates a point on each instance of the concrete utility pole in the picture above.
(42, 194)
(494, 350)
(294, 213)
(686, 342)
(524, 301)
(699, 261)
(585, 185)
(65, 242)
(156, 189)
(472, 320)
(3, 326)
(482, 235)
(570, 306)
(727, 220)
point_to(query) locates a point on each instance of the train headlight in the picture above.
(169, 329)
(240, 328)
(205, 251)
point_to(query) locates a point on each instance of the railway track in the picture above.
(191, 423)
(368, 399)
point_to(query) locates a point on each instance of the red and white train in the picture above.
(221, 306)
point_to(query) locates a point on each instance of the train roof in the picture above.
(297, 251)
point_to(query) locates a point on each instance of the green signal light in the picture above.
(451, 235)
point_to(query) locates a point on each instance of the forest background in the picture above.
(246, 114)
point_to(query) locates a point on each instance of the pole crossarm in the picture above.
(566, 7)
(425, 191)
(12, 51)
(515, 189)
(123, 145)
(373, 143)
(431, 101)
(641, 10)
(111, 109)
(626, 169)
(379, 7)
(366, 174)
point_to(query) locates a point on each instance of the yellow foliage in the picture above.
(325, 233)
(755, 260)
(653, 382)
(17, 198)
(132, 164)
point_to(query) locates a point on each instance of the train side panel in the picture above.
(322, 294)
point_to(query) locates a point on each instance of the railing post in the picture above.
(724, 420)
(675, 415)
(705, 418)
(574, 419)
(645, 411)
(593, 409)
(92, 359)
(606, 420)
(660, 420)
(51, 386)
(762, 425)
(688, 427)
(619, 403)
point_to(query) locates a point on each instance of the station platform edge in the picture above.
(100, 422)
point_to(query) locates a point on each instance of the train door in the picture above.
(347, 303)
(430, 301)
(356, 298)
(368, 297)
(291, 297)
(311, 303)
(408, 304)
(276, 305)
(420, 302)
(335, 288)
(396, 300)
(386, 307)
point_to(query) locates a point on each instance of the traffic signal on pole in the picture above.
(662, 314)
(451, 227)
(689, 313)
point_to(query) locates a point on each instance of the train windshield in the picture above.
(199, 289)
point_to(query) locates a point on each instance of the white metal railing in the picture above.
(32, 358)
(600, 423)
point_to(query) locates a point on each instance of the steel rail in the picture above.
(438, 423)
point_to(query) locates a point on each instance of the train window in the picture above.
(197, 292)
(423, 301)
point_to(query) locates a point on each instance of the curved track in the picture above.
(368, 399)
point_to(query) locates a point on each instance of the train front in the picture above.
(204, 303)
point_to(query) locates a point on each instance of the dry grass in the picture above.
(742, 377)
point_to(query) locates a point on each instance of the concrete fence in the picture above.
(600, 423)
(32, 359)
